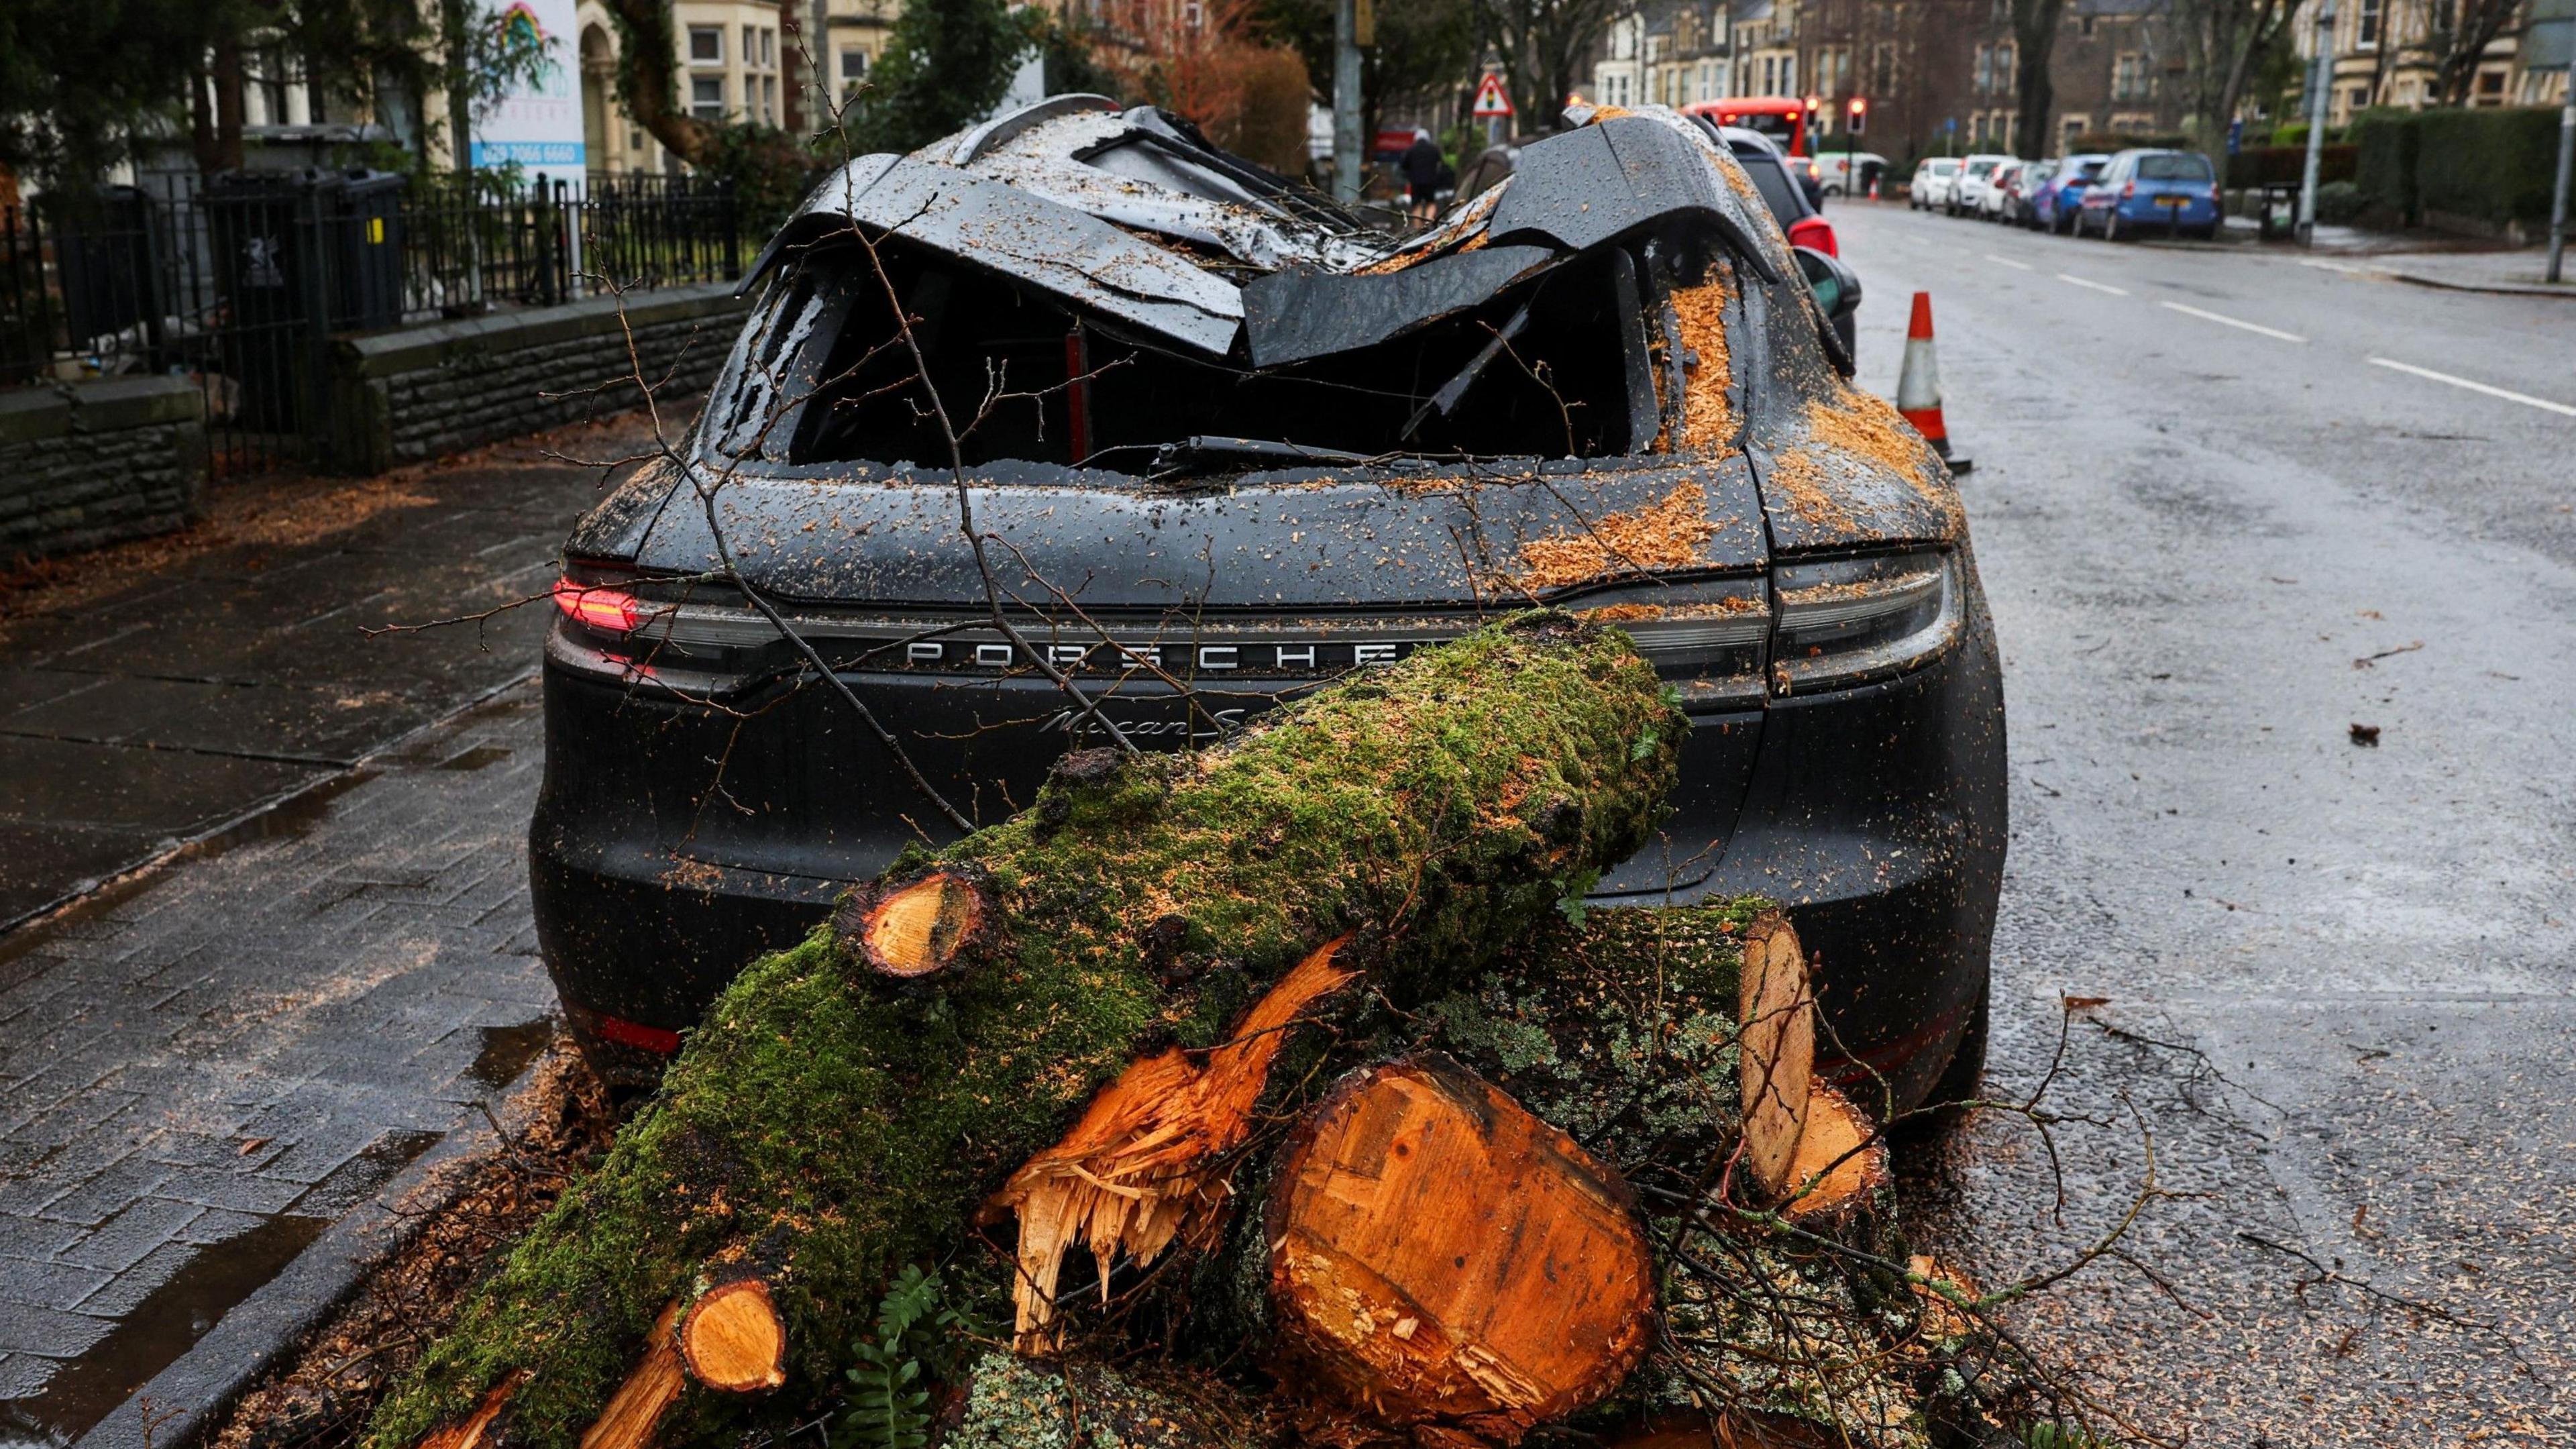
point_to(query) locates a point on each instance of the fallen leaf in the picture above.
(253, 1144)
(2366, 736)
(2084, 1003)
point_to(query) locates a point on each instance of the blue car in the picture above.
(2174, 192)
(2052, 206)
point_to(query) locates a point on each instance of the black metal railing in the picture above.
(242, 282)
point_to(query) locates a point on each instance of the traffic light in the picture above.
(1856, 120)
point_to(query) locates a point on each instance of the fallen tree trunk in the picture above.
(1441, 1260)
(826, 1124)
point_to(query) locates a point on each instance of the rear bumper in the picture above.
(1875, 814)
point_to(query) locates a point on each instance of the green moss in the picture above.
(832, 1131)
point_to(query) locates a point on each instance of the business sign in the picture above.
(537, 122)
(1491, 98)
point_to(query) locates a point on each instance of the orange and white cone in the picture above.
(1918, 386)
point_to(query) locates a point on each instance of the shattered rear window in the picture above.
(1543, 368)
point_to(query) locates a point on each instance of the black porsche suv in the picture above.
(1224, 442)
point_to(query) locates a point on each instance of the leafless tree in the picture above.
(2034, 25)
(2220, 41)
(2456, 36)
(1543, 44)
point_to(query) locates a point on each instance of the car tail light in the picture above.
(1815, 233)
(1706, 636)
(2128, 191)
(608, 609)
(1850, 621)
(654, 1039)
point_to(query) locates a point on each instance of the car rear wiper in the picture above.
(1186, 454)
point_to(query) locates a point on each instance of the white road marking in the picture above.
(2233, 322)
(2524, 398)
(2008, 262)
(2096, 286)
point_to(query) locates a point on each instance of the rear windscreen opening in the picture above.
(828, 377)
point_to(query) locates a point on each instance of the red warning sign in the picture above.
(1491, 98)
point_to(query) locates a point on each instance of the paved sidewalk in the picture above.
(205, 1064)
(163, 688)
(201, 1070)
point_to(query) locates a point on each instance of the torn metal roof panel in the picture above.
(1605, 180)
(1300, 312)
(1043, 244)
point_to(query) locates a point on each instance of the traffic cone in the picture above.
(1918, 386)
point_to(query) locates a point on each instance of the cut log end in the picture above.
(1440, 1257)
(733, 1340)
(917, 930)
(1779, 1058)
(1841, 1165)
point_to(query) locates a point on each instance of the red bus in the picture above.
(1782, 118)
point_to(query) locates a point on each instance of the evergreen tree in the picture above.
(945, 65)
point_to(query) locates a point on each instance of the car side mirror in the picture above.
(1837, 287)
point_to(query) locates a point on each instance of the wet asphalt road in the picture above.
(2337, 978)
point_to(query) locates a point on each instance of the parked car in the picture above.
(1934, 176)
(2052, 207)
(1263, 457)
(2030, 179)
(1850, 173)
(2175, 192)
(1996, 201)
(1968, 194)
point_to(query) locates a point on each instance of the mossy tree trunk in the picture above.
(828, 1124)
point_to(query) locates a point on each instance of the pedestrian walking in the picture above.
(1423, 165)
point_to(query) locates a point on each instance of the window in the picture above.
(1788, 75)
(769, 99)
(769, 49)
(706, 45)
(750, 44)
(2174, 166)
(854, 71)
(706, 97)
(2365, 27)
(2129, 77)
(2069, 129)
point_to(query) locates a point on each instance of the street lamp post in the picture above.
(2320, 80)
(1346, 100)
(2566, 164)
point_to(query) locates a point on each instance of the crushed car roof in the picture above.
(1134, 216)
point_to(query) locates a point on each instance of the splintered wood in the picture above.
(919, 929)
(468, 1433)
(732, 1339)
(1779, 1059)
(636, 1409)
(1145, 1164)
(1441, 1258)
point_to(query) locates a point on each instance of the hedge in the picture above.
(2288, 165)
(2493, 166)
(2386, 141)
(2497, 166)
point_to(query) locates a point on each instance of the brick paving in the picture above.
(264, 1032)
(205, 1064)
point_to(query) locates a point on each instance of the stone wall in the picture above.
(400, 397)
(89, 463)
